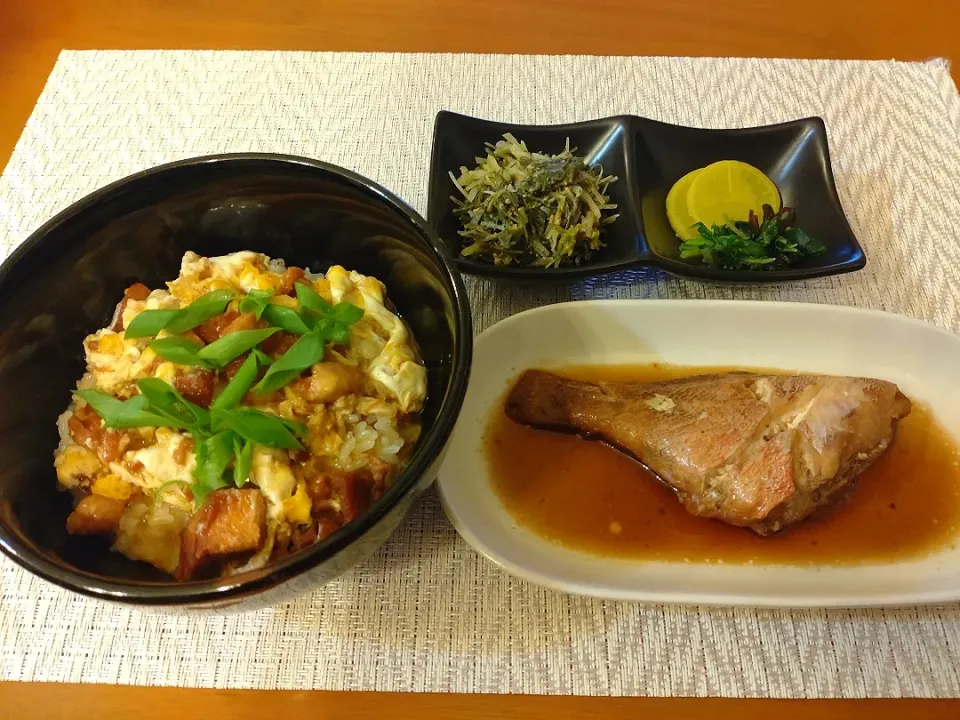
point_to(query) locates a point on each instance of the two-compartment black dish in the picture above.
(64, 281)
(648, 157)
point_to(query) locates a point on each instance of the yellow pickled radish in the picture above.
(727, 191)
(678, 211)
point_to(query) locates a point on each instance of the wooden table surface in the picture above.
(32, 32)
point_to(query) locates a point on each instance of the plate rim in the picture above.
(687, 598)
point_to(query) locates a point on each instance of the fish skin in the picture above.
(762, 451)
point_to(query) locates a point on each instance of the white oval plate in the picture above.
(923, 360)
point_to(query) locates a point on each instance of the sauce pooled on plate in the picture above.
(588, 496)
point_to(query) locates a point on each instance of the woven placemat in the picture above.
(426, 613)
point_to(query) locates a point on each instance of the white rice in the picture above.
(372, 436)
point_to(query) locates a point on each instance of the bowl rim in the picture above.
(647, 258)
(222, 591)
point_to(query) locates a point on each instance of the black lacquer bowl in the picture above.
(65, 280)
(648, 157)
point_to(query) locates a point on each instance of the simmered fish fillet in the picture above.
(760, 451)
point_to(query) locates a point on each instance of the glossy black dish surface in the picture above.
(64, 281)
(648, 157)
(459, 139)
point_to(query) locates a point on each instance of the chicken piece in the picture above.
(355, 493)
(74, 464)
(137, 291)
(288, 283)
(192, 337)
(328, 522)
(212, 329)
(351, 493)
(223, 324)
(86, 429)
(231, 521)
(759, 451)
(278, 343)
(96, 515)
(243, 321)
(112, 444)
(233, 367)
(149, 531)
(183, 450)
(85, 426)
(331, 380)
(196, 386)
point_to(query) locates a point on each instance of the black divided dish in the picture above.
(64, 281)
(648, 157)
(458, 140)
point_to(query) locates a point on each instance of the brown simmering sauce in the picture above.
(586, 495)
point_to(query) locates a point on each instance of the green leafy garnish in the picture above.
(217, 354)
(297, 428)
(243, 452)
(527, 208)
(262, 357)
(226, 433)
(754, 244)
(179, 350)
(150, 322)
(806, 243)
(329, 319)
(116, 413)
(337, 333)
(346, 314)
(222, 351)
(259, 427)
(199, 311)
(158, 393)
(304, 353)
(309, 298)
(165, 400)
(318, 322)
(213, 457)
(256, 301)
(285, 319)
(233, 393)
(222, 435)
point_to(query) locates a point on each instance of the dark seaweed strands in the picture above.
(532, 209)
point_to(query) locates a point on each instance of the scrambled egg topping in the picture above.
(359, 405)
(380, 343)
